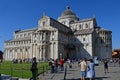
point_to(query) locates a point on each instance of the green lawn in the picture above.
(21, 70)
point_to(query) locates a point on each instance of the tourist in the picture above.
(105, 66)
(83, 66)
(56, 66)
(69, 63)
(61, 64)
(91, 70)
(52, 66)
(119, 62)
(34, 69)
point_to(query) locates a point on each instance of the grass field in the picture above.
(21, 70)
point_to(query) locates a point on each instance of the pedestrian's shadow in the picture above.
(96, 78)
(101, 78)
(72, 70)
(115, 72)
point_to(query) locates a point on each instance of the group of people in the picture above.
(87, 69)
(56, 64)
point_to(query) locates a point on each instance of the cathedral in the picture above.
(67, 37)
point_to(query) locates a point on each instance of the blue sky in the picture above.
(24, 14)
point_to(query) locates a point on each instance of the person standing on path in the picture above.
(61, 64)
(56, 66)
(91, 70)
(83, 66)
(106, 66)
(119, 62)
(34, 69)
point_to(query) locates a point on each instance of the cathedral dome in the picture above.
(68, 12)
(68, 16)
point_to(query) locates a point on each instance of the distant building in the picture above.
(116, 53)
(67, 37)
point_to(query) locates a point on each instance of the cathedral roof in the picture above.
(19, 39)
(105, 30)
(85, 31)
(26, 30)
(85, 20)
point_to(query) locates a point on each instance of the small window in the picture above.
(28, 34)
(46, 33)
(24, 35)
(10, 50)
(102, 41)
(26, 50)
(80, 27)
(20, 35)
(63, 22)
(71, 22)
(16, 36)
(43, 23)
(86, 25)
(35, 34)
(20, 50)
(83, 39)
(15, 50)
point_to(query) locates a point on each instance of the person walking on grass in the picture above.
(34, 69)
(83, 66)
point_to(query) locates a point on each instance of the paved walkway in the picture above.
(74, 73)
(8, 77)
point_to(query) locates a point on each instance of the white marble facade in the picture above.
(67, 37)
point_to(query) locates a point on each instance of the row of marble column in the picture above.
(38, 51)
(41, 36)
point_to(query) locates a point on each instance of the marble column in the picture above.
(43, 51)
(53, 50)
(51, 53)
(36, 50)
(33, 50)
(26, 52)
(23, 52)
(13, 56)
(40, 51)
(8, 54)
(30, 52)
(5, 55)
(16, 53)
